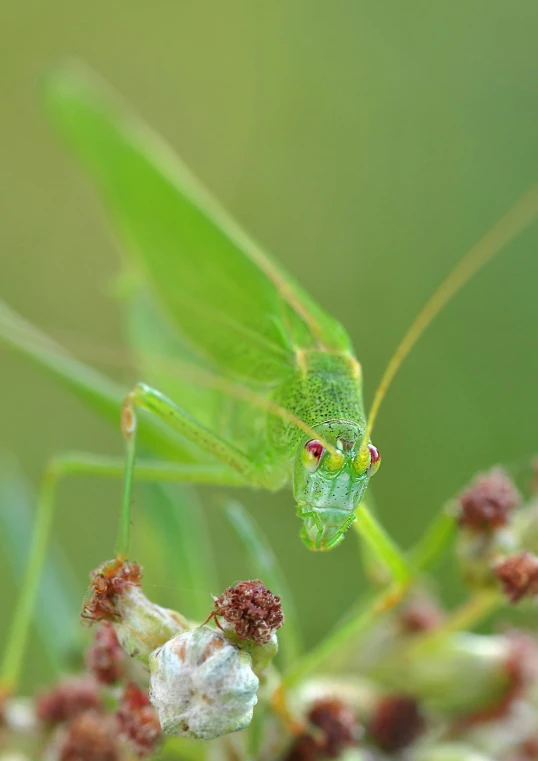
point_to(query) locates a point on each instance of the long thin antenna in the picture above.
(506, 229)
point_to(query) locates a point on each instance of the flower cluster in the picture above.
(86, 719)
(409, 685)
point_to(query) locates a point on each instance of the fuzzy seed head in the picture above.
(518, 575)
(251, 610)
(104, 659)
(397, 722)
(68, 698)
(202, 686)
(138, 722)
(487, 503)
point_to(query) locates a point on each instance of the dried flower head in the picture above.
(397, 722)
(138, 721)
(67, 699)
(202, 686)
(251, 610)
(488, 501)
(518, 575)
(335, 727)
(90, 736)
(107, 582)
(104, 658)
(141, 626)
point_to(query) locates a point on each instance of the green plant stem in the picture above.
(124, 531)
(358, 621)
(465, 617)
(384, 548)
(433, 541)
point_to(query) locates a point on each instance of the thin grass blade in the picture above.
(59, 597)
(97, 391)
(265, 566)
(178, 519)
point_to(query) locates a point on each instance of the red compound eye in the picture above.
(375, 460)
(312, 453)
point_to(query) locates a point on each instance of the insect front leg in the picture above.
(153, 401)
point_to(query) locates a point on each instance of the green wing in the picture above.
(226, 297)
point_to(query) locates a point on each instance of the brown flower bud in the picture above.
(518, 575)
(338, 724)
(419, 614)
(90, 736)
(397, 722)
(487, 503)
(251, 610)
(67, 699)
(105, 657)
(334, 728)
(138, 721)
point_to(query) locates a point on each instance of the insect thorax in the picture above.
(323, 387)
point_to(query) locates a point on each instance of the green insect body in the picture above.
(240, 316)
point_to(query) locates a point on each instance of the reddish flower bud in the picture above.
(338, 724)
(488, 501)
(251, 610)
(518, 575)
(138, 722)
(420, 614)
(90, 736)
(105, 657)
(397, 722)
(67, 699)
(337, 728)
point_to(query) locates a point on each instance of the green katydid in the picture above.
(257, 336)
(243, 313)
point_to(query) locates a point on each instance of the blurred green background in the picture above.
(367, 145)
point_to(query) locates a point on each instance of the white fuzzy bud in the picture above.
(202, 686)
